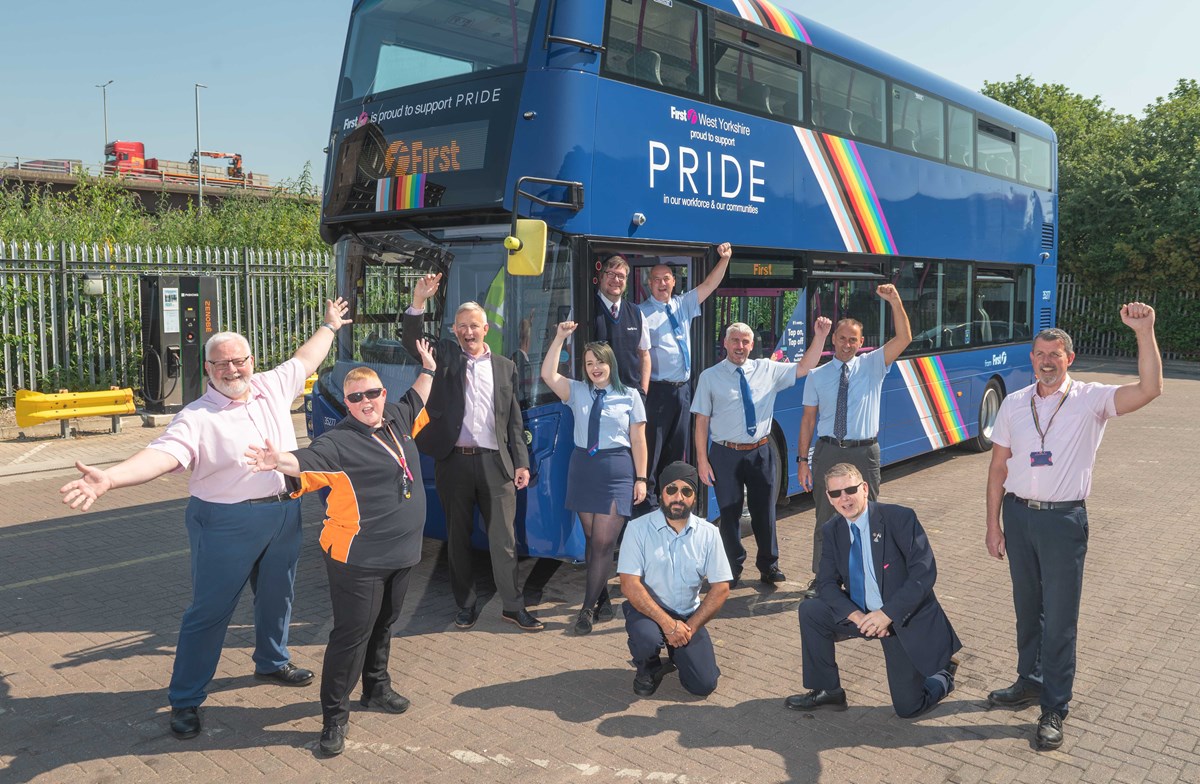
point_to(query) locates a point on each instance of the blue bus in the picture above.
(511, 144)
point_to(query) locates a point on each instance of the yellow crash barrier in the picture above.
(308, 383)
(34, 408)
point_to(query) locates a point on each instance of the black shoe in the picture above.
(523, 619)
(810, 590)
(817, 698)
(604, 609)
(1020, 693)
(951, 673)
(387, 699)
(1049, 730)
(466, 617)
(289, 675)
(645, 684)
(185, 722)
(583, 624)
(771, 576)
(333, 738)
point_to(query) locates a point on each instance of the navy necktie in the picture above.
(594, 421)
(747, 403)
(680, 338)
(858, 587)
(843, 401)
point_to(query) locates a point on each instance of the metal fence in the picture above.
(56, 335)
(1093, 320)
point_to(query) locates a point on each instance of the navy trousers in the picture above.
(697, 662)
(235, 544)
(1046, 549)
(668, 419)
(912, 693)
(746, 477)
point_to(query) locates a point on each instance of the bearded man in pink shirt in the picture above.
(242, 526)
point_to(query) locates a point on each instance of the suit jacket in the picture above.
(905, 569)
(447, 401)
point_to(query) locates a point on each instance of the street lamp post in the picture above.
(104, 93)
(199, 165)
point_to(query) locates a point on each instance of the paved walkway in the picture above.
(90, 606)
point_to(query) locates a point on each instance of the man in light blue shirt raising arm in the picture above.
(665, 557)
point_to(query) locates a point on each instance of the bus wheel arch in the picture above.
(989, 407)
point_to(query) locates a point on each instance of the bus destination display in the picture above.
(446, 148)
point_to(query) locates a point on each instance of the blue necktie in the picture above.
(594, 421)
(843, 401)
(747, 403)
(858, 587)
(680, 338)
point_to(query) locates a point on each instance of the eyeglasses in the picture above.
(369, 394)
(684, 490)
(224, 363)
(616, 275)
(851, 490)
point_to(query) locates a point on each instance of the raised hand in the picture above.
(426, 287)
(335, 313)
(1138, 316)
(565, 328)
(725, 251)
(888, 293)
(85, 490)
(426, 353)
(822, 328)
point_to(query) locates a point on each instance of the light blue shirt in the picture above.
(863, 524)
(719, 396)
(621, 409)
(666, 345)
(672, 566)
(862, 403)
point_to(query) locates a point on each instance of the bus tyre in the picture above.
(989, 408)
(781, 479)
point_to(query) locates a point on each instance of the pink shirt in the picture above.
(211, 435)
(1072, 440)
(479, 395)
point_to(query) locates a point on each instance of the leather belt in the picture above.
(1047, 505)
(270, 499)
(745, 447)
(849, 442)
(672, 384)
(474, 450)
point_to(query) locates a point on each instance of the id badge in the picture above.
(1038, 459)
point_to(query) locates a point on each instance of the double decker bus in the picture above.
(512, 144)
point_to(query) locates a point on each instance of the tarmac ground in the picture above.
(90, 606)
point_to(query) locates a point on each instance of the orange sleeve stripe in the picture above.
(343, 519)
(420, 422)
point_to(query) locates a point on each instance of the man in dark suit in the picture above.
(476, 436)
(883, 591)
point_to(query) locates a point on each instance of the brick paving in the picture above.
(90, 606)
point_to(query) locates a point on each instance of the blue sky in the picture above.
(271, 66)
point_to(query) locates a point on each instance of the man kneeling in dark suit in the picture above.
(885, 592)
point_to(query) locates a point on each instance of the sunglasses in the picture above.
(685, 490)
(369, 394)
(851, 490)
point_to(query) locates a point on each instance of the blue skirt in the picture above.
(594, 482)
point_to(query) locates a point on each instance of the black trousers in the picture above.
(912, 693)
(366, 602)
(750, 477)
(1046, 550)
(697, 662)
(668, 419)
(825, 457)
(465, 482)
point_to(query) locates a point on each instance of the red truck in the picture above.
(129, 158)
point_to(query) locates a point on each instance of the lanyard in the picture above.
(398, 456)
(1033, 410)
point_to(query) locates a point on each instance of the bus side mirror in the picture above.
(527, 248)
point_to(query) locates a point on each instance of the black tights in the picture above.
(601, 532)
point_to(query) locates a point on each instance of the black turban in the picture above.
(679, 470)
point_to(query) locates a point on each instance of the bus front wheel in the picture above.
(989, 408)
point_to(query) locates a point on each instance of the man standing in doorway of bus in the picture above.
(621, 325)
(841, 405)
(669, 401)
(477, 437)
(1043, 450)
(735, 402)
(242, 526)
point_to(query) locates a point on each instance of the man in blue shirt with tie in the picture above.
(841, 404)
(736, 397)
(665, 557)
(668, 403)
(875, 581)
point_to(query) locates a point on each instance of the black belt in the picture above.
(1047, 505)
(270, 499)
(474, 450)
(849, 442)
(672, 384)
(744, 447)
